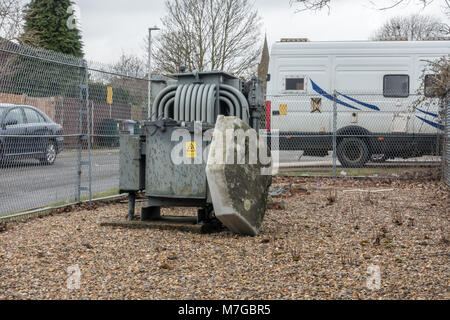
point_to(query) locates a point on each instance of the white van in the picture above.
(376, 84)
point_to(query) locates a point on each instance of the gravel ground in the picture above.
(323, 239)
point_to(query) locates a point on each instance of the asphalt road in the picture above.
(26, 184)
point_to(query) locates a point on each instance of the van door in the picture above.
(396, 87)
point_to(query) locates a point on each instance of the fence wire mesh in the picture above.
(60, 119)
(61, 116)
(447, 141)
(33, 137)
(118, 100)
(356, 134)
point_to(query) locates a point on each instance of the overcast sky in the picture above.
(111, 27)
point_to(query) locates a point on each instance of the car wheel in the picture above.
(353, 153)
(50, 154)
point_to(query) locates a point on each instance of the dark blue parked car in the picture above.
(26, 132)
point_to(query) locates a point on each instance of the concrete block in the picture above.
(239, 189)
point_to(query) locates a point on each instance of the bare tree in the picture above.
(435, 82)
(127, 77)
(130, 74)
(413, 27)
(129, 65)
(315, 5)
(209, 35)
(10, 19)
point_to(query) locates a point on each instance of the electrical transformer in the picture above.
(193, 117)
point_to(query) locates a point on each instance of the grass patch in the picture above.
(357, 172)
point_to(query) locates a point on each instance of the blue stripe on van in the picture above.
(322, 92)
(431, 123)
(370, 106)
(428, 113)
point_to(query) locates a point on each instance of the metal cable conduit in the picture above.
(196, 102)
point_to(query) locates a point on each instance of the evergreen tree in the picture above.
(47, 20)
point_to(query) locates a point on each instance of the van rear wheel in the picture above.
(353, 153)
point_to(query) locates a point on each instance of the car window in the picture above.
(41, 118)
(32, 116)
(14, 115)
(2, 112)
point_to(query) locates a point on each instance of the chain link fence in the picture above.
(60, 118)
(356, 134)
(447, 142)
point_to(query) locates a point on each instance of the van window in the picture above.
(296, 84)
(396, 86)
(431, 84)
